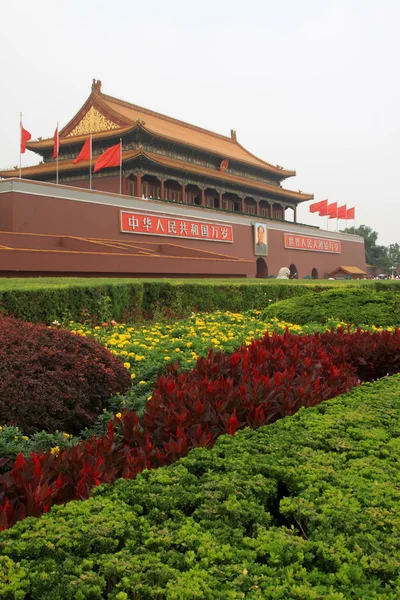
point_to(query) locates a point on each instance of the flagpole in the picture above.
(20, 142)
(327, 217)
(57, 149)
(90, 164)
(120, 166)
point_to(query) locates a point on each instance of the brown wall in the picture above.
(26, 213)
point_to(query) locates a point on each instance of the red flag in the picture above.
(332, 210)
(351, 213)
(25, 137)
(85, 153)
(341, 212)
(323, 211)
(110, 158)
(56, 143)
(318, 206)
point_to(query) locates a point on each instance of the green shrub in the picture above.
(359, 306)
(97, 301)
(306, 508)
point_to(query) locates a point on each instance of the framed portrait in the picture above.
(260, 239)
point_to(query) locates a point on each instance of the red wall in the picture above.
(28, 213)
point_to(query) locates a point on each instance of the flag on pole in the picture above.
(351, 213)
(56, 146)
(25, 137)
(342, 212)
(332, 210)
(110, 158)
(318, 207)
(85, 153)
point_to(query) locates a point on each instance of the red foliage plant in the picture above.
(53, 379)
(255, 385)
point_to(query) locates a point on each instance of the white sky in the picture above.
(307, 84)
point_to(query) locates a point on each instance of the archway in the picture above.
(293, 272)
(314, 273)
(262, 268)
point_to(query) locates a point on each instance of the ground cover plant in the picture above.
(257, 384)
(51, 379)
(304, 509)
(146, 349)
(357, 306)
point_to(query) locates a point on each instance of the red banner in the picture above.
(172, 227)
(302, 242)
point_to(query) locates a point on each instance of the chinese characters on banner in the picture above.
(172, 227)
(302, 242)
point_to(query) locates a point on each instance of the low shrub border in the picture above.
(257, 384)
(304, 509)
(100, 300)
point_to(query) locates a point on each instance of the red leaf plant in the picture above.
(256, 385)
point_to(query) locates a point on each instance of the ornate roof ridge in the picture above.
(154, 113)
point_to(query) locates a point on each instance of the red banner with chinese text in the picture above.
(302, 242)
(172, 227)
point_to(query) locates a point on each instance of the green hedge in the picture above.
(358, 306)
(101, 302)
(47, 299)
(306, 508)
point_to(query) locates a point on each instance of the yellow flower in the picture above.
(67, 435)
(118, 415)
(133, 375)
(142, 382)
(127, 365)
(0, 428)
(55, 450)
(25, 437)
(189, 344)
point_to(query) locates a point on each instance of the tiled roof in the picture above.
(67, 165)
(173, 129)
(128, 115)
(350, 270)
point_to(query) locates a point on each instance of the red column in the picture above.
(295, 214)
(203, 196)
(138, 185)
(183, 192)
(220, 199)
(257, 207)
(242, 204)
(162, 189)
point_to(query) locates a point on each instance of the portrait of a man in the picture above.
(260, 239)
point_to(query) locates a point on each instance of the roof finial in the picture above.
(233, 135)
(96, 86)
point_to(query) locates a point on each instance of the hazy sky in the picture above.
(307, 84)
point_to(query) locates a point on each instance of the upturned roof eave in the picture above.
(49, 169)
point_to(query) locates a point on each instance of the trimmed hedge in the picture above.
(306, 508)
(100, 300)
(359, 306)
(52, 379)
